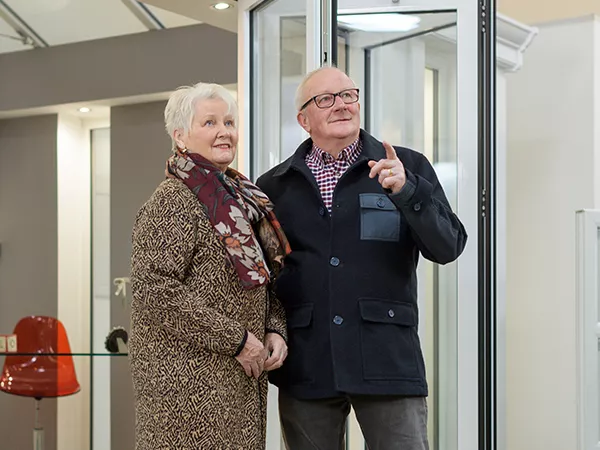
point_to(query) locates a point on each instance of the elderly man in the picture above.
(357, 213)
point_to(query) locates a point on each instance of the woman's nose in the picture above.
(223, 130)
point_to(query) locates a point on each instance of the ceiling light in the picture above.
(221, 6)
(381, 22)
(84, 110)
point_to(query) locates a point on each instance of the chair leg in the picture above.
(38, 431)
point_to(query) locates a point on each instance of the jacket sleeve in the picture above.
(437, 231)
(276, 322)
(164, 240)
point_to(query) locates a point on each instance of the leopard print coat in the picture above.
(189, 318)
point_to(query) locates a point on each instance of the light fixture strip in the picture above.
(14, 21)
(144, 15)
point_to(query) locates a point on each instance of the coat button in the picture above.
(334, 261)
(391, 313)
(417, 206)
(338, 320)
(321, 211)
(380, 202)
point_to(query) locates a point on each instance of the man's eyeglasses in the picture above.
(327, 100)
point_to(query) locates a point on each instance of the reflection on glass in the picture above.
(598, 325)
(598, 278)
(281, 30)
(101, 285)
(293, 68)
(279, 62)
(406, 70)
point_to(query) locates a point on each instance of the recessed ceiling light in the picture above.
(221, 6)
(381, 22)
(84, 110)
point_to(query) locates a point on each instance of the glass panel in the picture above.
(598, 277)
(407, 77)
(597, 374)
(63, 418)
(279, 61)
(101, 282)
(101, 285)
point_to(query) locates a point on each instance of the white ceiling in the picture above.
(66, 21)
(203, 11)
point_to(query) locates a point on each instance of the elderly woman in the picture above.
(205, 326)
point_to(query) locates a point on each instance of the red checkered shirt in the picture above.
(328, 170)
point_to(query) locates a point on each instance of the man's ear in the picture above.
(303, 121)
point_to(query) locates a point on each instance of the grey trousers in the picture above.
(387, 423)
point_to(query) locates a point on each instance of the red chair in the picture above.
(43, 365)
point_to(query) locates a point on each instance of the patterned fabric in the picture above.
(189, 317)
(328, 170)
(233, 205)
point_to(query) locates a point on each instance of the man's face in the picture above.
(338, 122)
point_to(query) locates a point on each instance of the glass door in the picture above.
(405, 65)
(416, 61)
(280, 41)
(417, 65)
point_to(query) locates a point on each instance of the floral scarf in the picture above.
(238, 211)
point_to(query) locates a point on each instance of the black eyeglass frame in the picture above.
(338, 94)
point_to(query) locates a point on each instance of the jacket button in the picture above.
(334, 261)
(338, 320)
(380, 202)
(321, 211)
(417, 206)
(391, 313)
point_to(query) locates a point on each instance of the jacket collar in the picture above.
(371, 149)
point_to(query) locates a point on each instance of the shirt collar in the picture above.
(319, 156)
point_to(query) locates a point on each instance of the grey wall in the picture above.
(137, 64)
(139, 149)
(28, 258)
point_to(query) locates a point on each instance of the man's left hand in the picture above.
(277, 349)
(390, 171)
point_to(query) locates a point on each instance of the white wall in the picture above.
(549, 176)
(73, 181)
(536, 11)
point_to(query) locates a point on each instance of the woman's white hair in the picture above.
(181, 107)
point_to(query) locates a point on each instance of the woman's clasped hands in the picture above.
(257, 357)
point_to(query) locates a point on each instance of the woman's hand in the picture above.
(277, 349)
(253, 356)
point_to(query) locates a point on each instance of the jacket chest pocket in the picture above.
(379, 218)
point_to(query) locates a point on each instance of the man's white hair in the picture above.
(300, 95)
(181, 107)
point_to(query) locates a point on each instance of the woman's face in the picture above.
(213, 133)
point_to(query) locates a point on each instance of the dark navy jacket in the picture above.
(349, 287)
